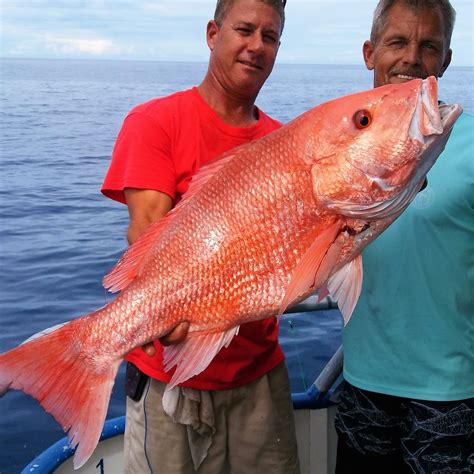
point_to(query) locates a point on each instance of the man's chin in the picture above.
(250, 84)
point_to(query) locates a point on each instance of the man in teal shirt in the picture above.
(407, 403)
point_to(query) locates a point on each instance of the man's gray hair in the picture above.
(444, 6)
(223, 7)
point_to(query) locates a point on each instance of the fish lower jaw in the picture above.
(449, 113)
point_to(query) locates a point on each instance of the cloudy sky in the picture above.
(317, 31)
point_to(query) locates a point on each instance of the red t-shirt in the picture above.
(161, 145)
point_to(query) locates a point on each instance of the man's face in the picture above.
(411, 45)
(245, 46)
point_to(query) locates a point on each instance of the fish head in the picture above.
(374, 148)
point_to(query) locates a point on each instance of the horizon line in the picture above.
(283, 62)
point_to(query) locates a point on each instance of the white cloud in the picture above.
(317, 31)
(81, 46)
(180, 9)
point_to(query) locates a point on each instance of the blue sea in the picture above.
(59, 235)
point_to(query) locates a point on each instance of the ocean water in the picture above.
(59, 235)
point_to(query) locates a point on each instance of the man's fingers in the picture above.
(177, 335)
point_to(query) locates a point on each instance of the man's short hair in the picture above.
(223, 7)
(444, 6)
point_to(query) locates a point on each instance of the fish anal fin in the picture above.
(307, 271)
(322, 293)
(66, 383)
(345, 286)
(194, 354)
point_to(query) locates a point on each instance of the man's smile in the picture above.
(250, 64)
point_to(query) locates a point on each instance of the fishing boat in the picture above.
(314, 409)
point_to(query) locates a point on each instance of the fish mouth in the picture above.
(430, 118)
(449, 114)
(426, 119)
(431, 125)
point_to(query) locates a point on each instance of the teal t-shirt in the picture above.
(412, 332)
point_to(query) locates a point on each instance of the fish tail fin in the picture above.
(71, 384)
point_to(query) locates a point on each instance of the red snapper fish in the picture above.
(260, 228)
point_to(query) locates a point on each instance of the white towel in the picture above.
(194, 409)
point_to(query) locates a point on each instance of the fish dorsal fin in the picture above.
(129, 265)
(345, 286)
(194, 354)
(306, 272)
(206, 172)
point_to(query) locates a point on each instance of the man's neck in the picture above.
(234, 110)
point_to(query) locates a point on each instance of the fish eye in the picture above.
(362, 118)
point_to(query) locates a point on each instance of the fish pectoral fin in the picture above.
(194, 354)
(345, 287)
(306, 272)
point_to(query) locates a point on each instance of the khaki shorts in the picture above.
(255, 431)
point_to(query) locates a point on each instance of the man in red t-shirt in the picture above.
(236, 415)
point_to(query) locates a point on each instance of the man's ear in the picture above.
(447, 61)
(368, 53)
(211, 32)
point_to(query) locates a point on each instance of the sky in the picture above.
(316, 31)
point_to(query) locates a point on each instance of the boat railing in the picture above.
(320, 393)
